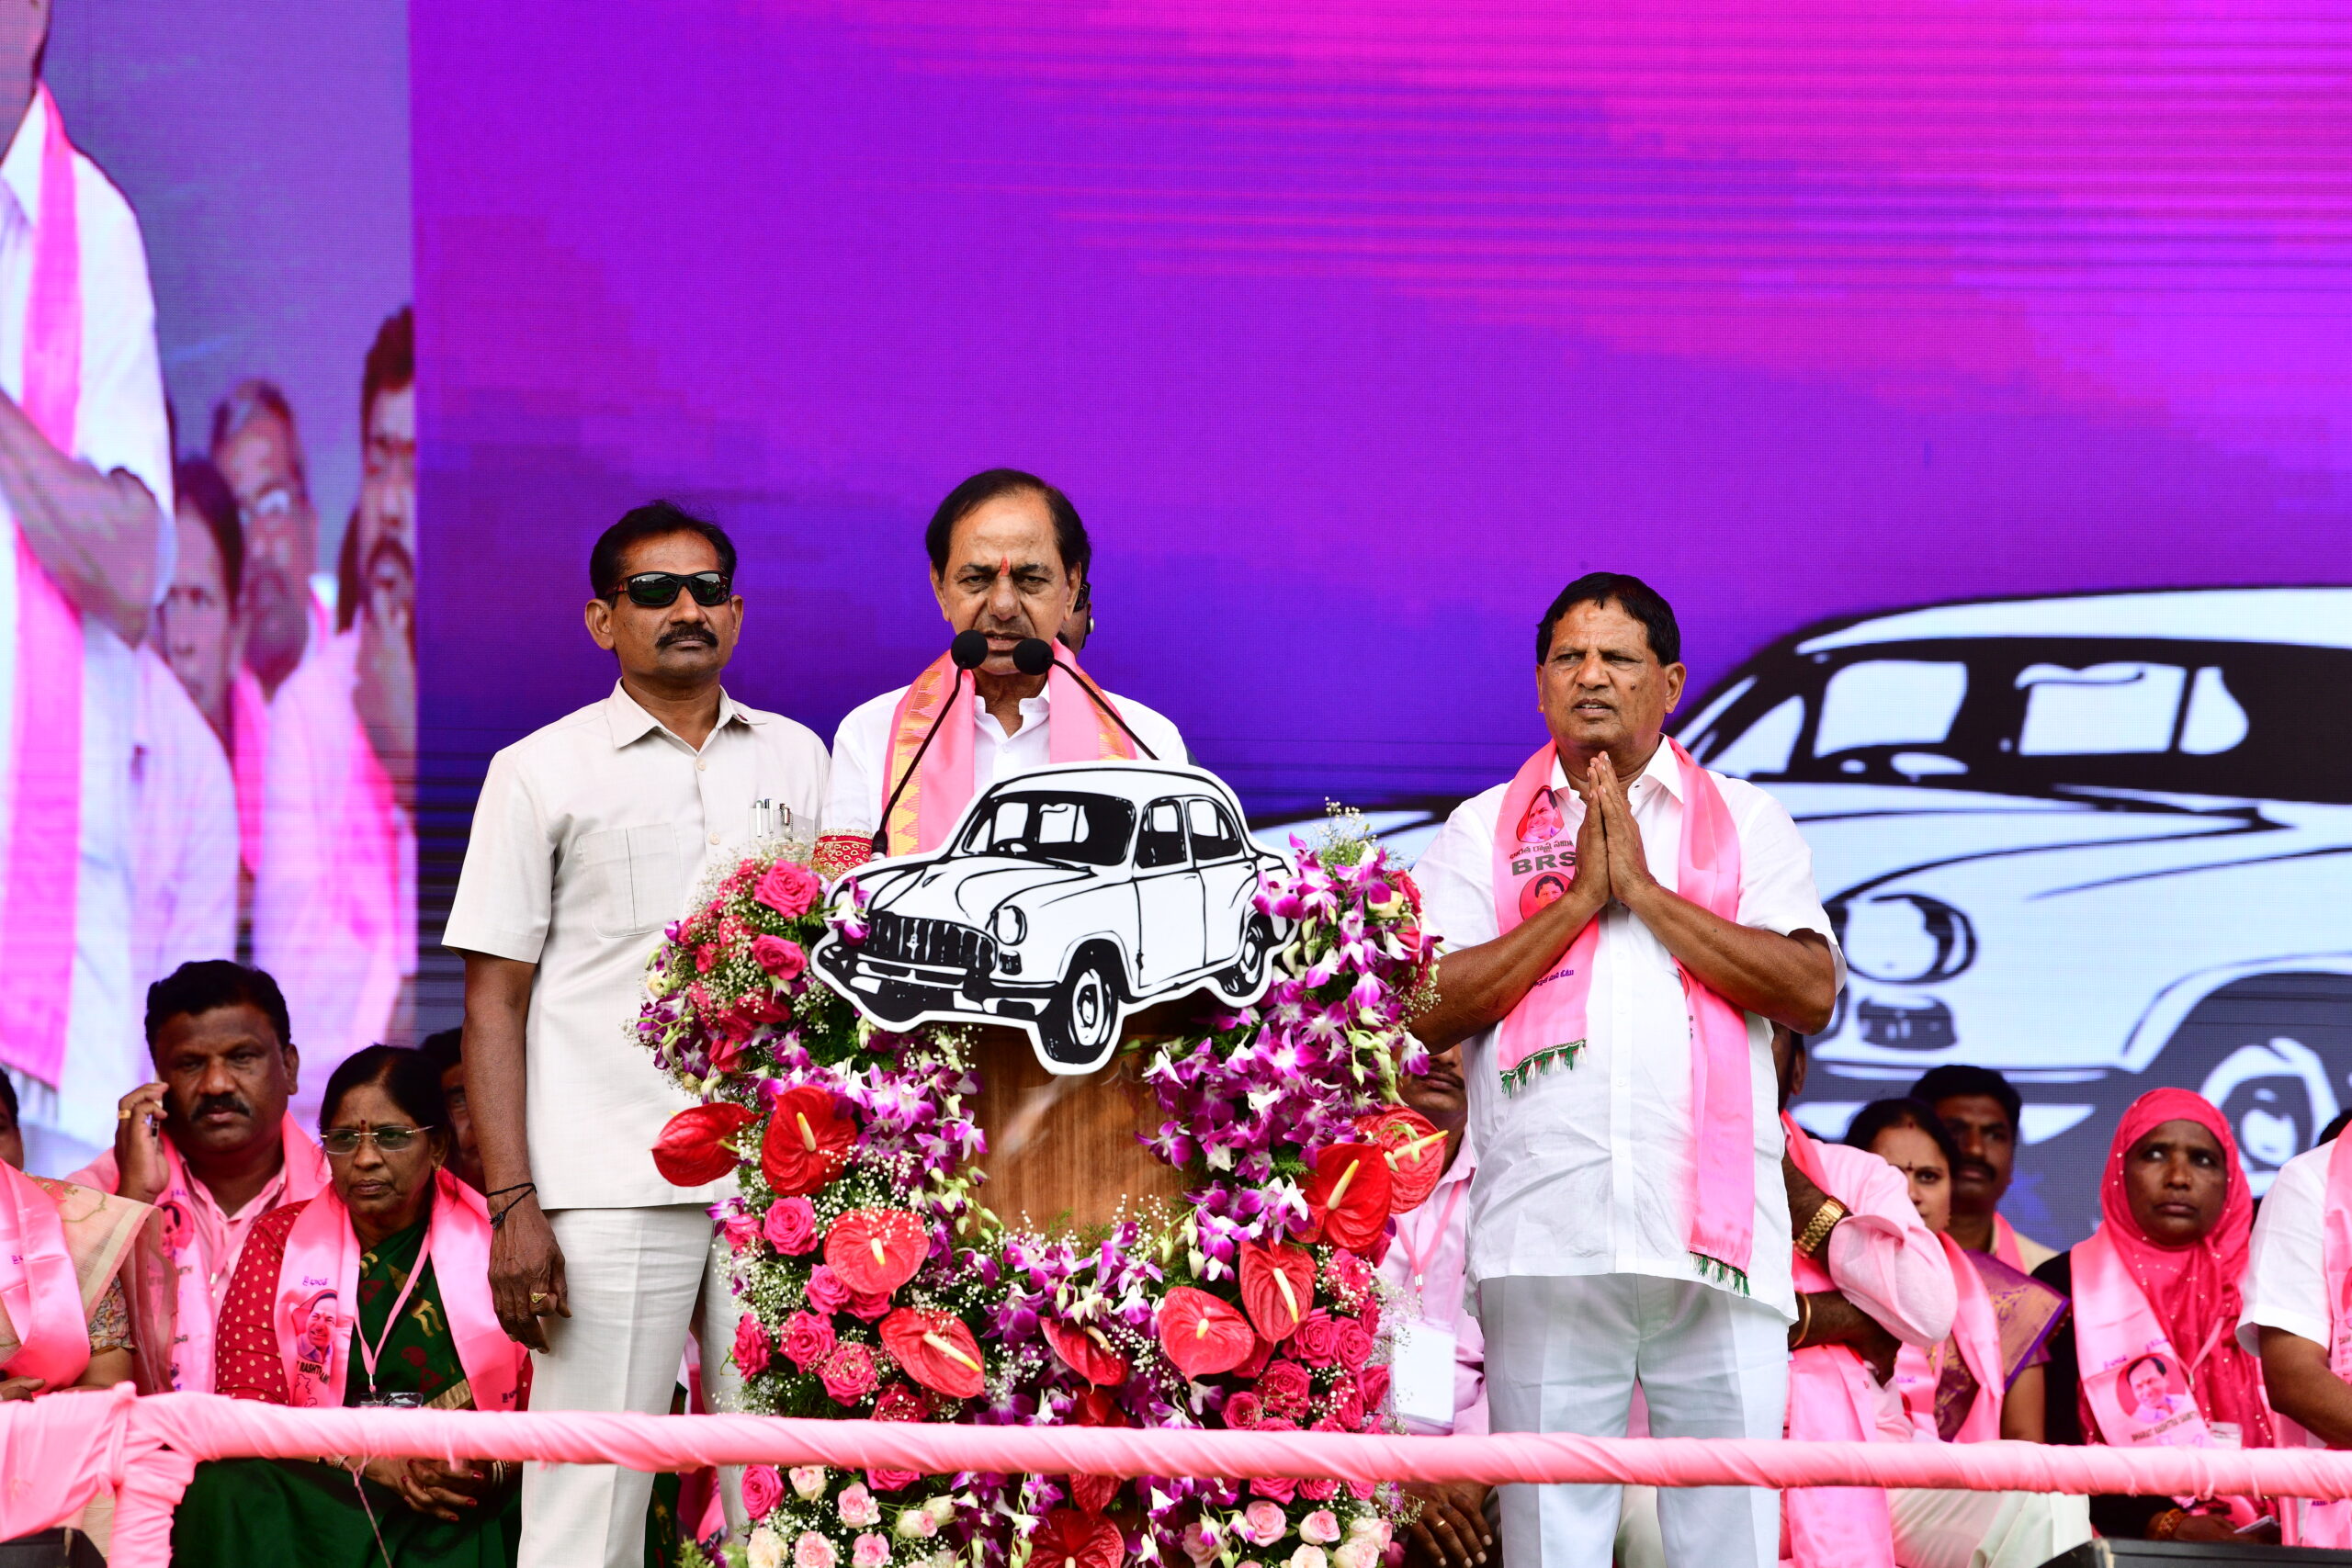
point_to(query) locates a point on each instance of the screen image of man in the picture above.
(587, 838)
(85, 487)
(1629, 1221)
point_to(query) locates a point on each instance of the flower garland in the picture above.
(875, 1284)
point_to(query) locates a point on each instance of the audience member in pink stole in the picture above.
(211, 1143)
(64, 1314)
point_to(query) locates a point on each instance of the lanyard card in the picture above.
(1421, 1376)
(2141, 1400)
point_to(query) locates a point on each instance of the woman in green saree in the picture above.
(407, 1248)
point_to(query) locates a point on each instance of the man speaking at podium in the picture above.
(1008, 559)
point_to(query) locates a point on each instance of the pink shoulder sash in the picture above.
(318, 1284)
(1534, 859)
(40, 1286)
(1075, 731)
(2133, 1378)
(1977, 1339)
(44, 830)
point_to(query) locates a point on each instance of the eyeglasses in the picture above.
(342, 1142)
(658, 589)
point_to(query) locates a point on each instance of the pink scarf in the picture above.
(1977, 1339)
(318, 1293)
(1075, 731)
(1830, 1400)
(2005, 1245)
(38, 1285)
(184, 1240)
(1534, 859)
(44, 834)
(2135, 1301)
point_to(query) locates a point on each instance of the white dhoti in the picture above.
(637, 1280)
(1563, 1355)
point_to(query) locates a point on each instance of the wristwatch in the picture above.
(1817, 1234)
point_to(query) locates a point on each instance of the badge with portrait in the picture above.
(2142, 1400)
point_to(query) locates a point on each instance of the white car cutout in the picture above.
(1064, 899)
(2099, 842)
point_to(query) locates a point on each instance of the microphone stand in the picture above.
(968, 652)
(1035, 656)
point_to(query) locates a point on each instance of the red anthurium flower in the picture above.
(1277, 1287)
(1348, 1198)
(807, 1142)
(875, 1251)
(1416, 1153)
(1086, 1353)
(1203, 1335)
(693, 1149)
(1069, 1538)
(936, 1350)
(1096, 1407)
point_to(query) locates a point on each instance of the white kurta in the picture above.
(120, 424)
(853, 802)
(1587, 1169)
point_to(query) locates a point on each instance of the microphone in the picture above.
(968, 651)
(1035, 656)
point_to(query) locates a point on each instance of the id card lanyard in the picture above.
(369, 1353)
(1417, 1259)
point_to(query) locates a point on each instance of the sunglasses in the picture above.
(342, 1142)
(658, 589)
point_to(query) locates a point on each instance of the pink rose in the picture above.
(791, 1226)
(807, 1340)
(1373, 1384)
(1280, 1488)
(849, 1374)
(1259, 1354)
(763, 1489)
(1351, 1273)
(1243, 1412)
(813, 1551)
(1320, 1528)
(900, 1402)
(789, 889)
(1348, 1409)
(779, 956)
(891, 1480)
(1284, 1388)
(858, 1508)
(751, 1346)
(1355, 1345)
(869, 1550)
(705, 957)
(1370, 1316)
(1264, 1523)
(1317, 1340)
(1362, 1490)
(1198, 1546)
(739, 1228)
(1278, 1424)
(1322, 1489)
(826, 1291)
(871, 1307)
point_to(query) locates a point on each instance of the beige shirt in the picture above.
(588, 840)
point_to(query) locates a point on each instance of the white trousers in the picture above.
(1563, 1355)
(1932, 1529)
(637, 1278)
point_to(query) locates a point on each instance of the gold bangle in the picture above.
(1816, 1233)
(2166, 1525)
(1804, 1324)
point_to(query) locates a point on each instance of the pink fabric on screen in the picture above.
(249, 729)
(318, 1286)
(204, 1242)
(45, 767)
(1549, 1021)
(40, 1286)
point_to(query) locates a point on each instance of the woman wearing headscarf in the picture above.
(375, 1292)
(2150, 1357)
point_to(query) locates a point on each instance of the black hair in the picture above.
(445, 1048)
(1070, 533)
(1955, 1079)
(408, 1076)
(196, 482)
(2138, 1361)
(2330, 1132)
(8, 1097)
(250, 400)
(651, 520)
(1630, 595)
(391, 363)
(208, 982)
(1880, 1114)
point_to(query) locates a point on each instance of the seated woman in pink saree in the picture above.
(66, 1318)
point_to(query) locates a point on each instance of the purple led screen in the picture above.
(1355, 331)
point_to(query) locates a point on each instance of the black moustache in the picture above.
(689, 634)
(210, 1104)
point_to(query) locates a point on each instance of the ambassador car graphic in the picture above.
(1064, 899)
(2099, 842)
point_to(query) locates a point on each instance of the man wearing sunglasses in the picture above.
(586, 840)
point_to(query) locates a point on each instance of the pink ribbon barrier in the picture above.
(149, 1449)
